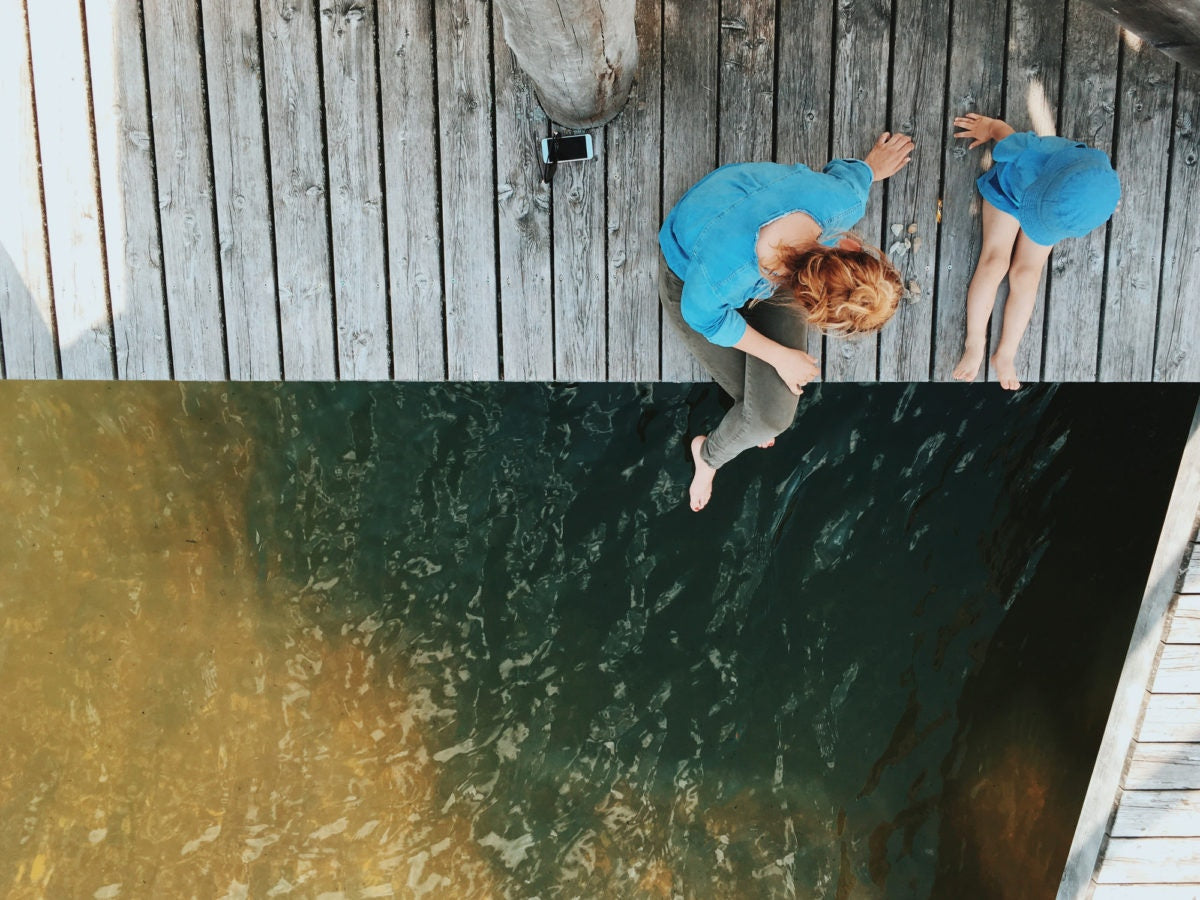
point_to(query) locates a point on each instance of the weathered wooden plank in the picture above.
(465, 147)
(1150, 861)
(1157, 814)
(193, 285)
(64, 119)
(1191, 575)
(356, 191)
(975, 82)
(1185, 623)
(1116, 744)
(1178, 354)
(577, 193)
(1146, 892)
(860, 106)
(126, 165)
(1171, 718)
(1143, 138)
(1163, 766)
(1032, 71)
(526, 298)
(633, 186)
(689, 130)
(1172, 26)
(804, 103)
(1178, 670)
(1076, 292)
(406, 76)
(231, 55)
(26, 306)
(291, 75)
(918, 109)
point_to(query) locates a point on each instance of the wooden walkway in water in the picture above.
(320, 189)
(1138, 836)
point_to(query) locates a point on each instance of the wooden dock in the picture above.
(1138, 836)
(322, 189)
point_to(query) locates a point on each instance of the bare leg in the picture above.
(999, 234)
(1023, 277)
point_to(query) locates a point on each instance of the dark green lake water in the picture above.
(469, 641)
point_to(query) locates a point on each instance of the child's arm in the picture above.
(981, 129)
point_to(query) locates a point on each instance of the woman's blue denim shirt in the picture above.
(709, 238)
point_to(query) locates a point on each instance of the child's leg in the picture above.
(999, 234)
(1023, 276)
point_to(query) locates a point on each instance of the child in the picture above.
(1039, 191)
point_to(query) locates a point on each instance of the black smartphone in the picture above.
(566, 148)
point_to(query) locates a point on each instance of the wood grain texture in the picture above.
(1032, 74)
(26, 306)
(1191, 574)
(355, 188)
(1076, 291)
(77, 264)
(1170, 718)
(523, 202)
(126, 165)
(689, 131)
(406, 75)
(1150, 861)
(1170, 25)
(1178, 670)
(468, 189)
(291, 75)
(580, 340)
(1164, 766)
(804, 103)
(1178, 355)
(185, 192)
(1146, 892)
(1185, 623)
(234, 69)
(918, 109)
(976, 80)
(634, 173)
(1143, 138)
(860, 102)
(1157, 814)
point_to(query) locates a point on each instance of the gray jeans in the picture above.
(763, 407)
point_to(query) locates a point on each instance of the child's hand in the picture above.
(981, 129)
(890, 154)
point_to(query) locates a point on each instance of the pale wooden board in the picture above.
(747, 80)
(523, 201)
(1076, 292)
(410, 168)
(804, 102)
(185, 193)
(1032, 74)
(579, 281)
(26, 308)
(60, 80)
(1171, 718)
(126, 164)
(1146, 892)
(291, 74)
(1191, 575)
(356, 191)
(1135, 243)
(689, 132)
(918, 109)
(976, 80)
(1157, 814)
(1150, 861)
(1185, 623)
(1178, 355)
(634, 142)
(860, 103)
(1163, 766)
(1178, 670)
(231, 56)
(465, 147)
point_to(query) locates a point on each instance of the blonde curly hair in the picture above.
(842, 291)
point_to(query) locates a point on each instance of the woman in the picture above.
(752, 231)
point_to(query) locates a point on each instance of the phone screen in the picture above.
(573, 146)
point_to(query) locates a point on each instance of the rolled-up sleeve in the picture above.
(707, 312)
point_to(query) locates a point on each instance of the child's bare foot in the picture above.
(700, 490)
(968, 366)
(1006, 371)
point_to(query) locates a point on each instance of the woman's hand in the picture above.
(981, 129)
(796, 368)
(890, 154)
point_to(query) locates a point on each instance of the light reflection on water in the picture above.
(401, 641)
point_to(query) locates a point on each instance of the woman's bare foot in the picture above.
(968, 366)
(767, 445)
(700, 490)
(1006, 371)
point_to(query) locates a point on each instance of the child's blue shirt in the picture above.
(709, 238)
(1019, 160)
